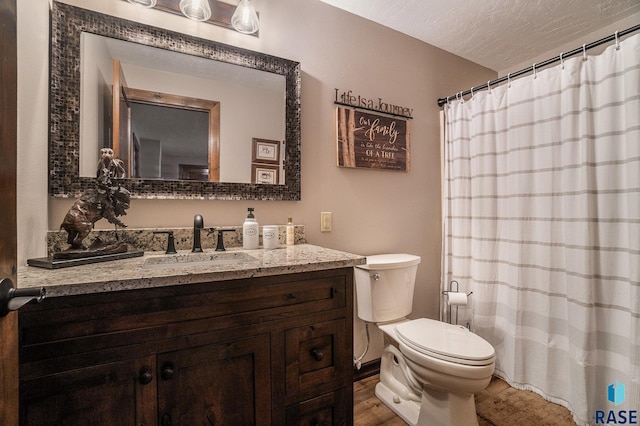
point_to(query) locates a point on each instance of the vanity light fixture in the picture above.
(198, 10)
(144, 3)
(242, 18)
(245, 18)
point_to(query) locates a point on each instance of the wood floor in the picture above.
(498, 405)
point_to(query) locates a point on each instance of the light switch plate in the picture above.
(325, 222)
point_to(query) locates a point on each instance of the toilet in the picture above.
(429, 369)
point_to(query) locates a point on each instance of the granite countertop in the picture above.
(141, 272)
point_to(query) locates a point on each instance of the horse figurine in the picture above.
(107, 200)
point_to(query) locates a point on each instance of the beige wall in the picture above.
(373, 211)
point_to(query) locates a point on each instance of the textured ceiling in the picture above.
(495, 33)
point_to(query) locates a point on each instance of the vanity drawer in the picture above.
(78, 324)
(315, 359)
(328, 409)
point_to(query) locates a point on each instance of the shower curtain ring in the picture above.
(471, 92)
(534, 71)
(489, 86)
(509, 80)
(584, 51)
(617, 41)
(561, 60)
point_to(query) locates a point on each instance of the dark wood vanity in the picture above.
(262, 350)
(272, 350)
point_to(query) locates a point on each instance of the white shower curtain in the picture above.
(542, 223)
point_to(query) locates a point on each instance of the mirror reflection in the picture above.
(168, 143)
(174, 116)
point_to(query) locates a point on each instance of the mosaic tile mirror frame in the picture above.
(68, 22)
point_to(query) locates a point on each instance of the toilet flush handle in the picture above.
(376, 277)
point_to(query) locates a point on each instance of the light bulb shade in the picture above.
(143, 3)
(198, 10)
(245, 18)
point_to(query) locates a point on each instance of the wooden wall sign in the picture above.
(372, 141)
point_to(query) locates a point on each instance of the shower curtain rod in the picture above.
(442, 101)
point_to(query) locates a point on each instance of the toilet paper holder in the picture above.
(457, 290)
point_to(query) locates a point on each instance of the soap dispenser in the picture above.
(250, 234)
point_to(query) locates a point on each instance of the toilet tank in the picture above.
(384, 286)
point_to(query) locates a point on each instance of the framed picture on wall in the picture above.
(379, 141)
(266, 151)
(263, 173)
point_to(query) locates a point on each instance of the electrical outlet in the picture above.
(325, 222)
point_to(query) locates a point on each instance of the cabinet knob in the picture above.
(145, 377)
(166, 420)
(167, 371)
(316, 354)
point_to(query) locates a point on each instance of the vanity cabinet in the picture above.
(268, 350)
(106, 394)
(218, 384)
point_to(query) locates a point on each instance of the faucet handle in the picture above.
(220, 243)
(171, 247)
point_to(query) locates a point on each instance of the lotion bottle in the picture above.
(291, 232)
(250, 234)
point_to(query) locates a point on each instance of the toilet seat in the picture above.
(446, 342)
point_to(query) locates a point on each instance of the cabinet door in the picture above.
(219, 384)
(121, 393)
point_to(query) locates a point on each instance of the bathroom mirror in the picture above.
(176, 111)
(76, 134)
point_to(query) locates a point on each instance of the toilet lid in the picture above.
(390, 261)
(445, 341)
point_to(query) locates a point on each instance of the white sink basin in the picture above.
(197, 259)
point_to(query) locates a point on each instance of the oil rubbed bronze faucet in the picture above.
(198, 226)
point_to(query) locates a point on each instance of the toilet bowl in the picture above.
(430, 369)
